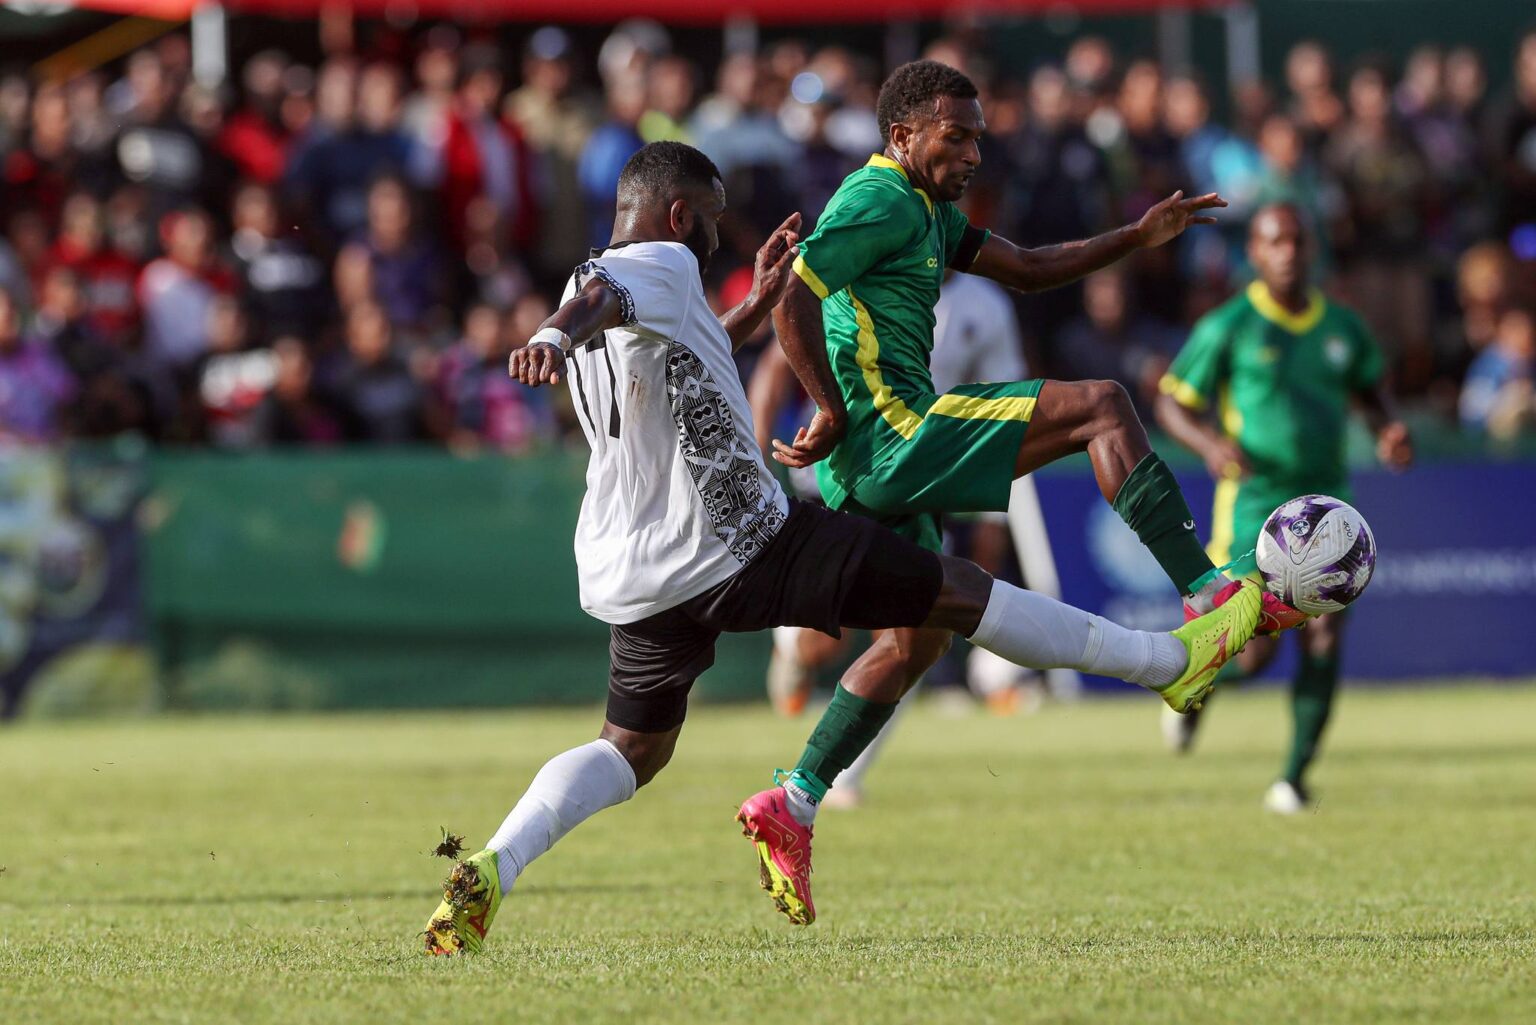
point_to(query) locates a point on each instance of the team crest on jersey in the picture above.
(1336, 351)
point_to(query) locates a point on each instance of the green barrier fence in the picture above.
(349, 579)
(379, 580)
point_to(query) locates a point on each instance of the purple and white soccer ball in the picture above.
(1316, 554)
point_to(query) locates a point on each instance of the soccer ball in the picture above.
(1316, 554)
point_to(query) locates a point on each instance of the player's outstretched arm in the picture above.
(1222, 455)
(770, 273)
(1032, 270)
(594, 309)
(802, 336)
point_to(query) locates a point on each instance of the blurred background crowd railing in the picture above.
(333, 231)
(286, 226)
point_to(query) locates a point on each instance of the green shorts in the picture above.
(1241, 507)
(960, 459)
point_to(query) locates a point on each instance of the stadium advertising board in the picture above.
(1455, 585)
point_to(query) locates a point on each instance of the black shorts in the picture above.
(825, 570)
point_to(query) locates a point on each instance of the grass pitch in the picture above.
(1057, 868)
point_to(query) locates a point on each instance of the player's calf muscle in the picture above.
(646, 753)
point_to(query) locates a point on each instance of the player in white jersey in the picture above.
(684, 534)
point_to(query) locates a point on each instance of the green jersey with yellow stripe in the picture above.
(876, 260)
(1281, 381)
(1281, 385)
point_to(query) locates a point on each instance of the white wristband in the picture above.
(551, 336)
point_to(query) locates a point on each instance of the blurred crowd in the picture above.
(348, 252)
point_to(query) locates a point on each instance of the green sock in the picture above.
(1311, 699)
(846, 728)
(1152, 505)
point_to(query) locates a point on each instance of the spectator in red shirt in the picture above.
(253, 136)
(106, 276)
(484, 155)
(38, 175)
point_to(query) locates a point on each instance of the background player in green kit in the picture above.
(1262, 392)
(857, 327)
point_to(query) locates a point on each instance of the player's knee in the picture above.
(646, 753)
(1110, 401)
(964, 576)
(1097, 407)
(963, 598)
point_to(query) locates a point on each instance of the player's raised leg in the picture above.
(1023, 627)
(1097, 417)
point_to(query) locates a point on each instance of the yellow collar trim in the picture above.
(881, 160)
(1296, 323)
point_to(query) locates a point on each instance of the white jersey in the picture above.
(678, 496)
(975, 334)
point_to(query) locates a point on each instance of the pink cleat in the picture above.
(783, 852)
(1274, 614)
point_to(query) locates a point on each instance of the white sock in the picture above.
(1037, 632)
(571, 788)
(802, 806)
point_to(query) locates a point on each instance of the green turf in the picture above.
(1056, 868)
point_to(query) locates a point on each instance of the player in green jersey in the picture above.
(1262, 392)
(857, 327)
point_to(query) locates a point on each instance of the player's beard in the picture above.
(698, 244)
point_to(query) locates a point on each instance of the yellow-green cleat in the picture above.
(471, 898)
(1212, 640)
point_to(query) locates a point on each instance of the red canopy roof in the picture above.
(677, 12)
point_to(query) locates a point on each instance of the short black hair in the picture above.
(916, 86)
(661, 168)
(1280, 206)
